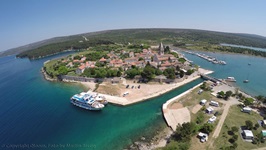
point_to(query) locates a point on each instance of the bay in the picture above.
(237, 66)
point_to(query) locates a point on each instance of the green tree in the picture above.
(148, 72)
(220, 94)
(184, 132)
(228, 94)
(207, 128)
(248, 101)
(62, 70)
(249, 124)
(234, 129)
(167, 49)
(182, 60)
(200, 118)
(190, 71)
(181, 73)
(140, 59)
(119, 73)
(131, 73)
(158, 72)
(77, 57)
(169, 73)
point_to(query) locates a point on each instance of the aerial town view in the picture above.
(133, 75)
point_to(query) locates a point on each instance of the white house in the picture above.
(80, 69)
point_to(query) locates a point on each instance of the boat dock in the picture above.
(207, 77)
(208, 58)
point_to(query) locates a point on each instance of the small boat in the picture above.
(249, 63)
(246, 81)
(230, 79)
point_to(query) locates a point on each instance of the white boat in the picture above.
(86, 101)
(97, 97)
(230, 79)
(246, 81)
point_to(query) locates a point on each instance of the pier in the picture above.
(208, 58)
(207, 77)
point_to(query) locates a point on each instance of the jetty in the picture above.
(208, 58)
(207, 77)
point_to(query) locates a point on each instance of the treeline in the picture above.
(59, 47)
(150, 72)
(146, 36)
(101, 72)
(242, 51)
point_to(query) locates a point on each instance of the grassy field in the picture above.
(191, 100)
(237, 118)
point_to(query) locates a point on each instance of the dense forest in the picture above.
(59, 47)
(136, 36)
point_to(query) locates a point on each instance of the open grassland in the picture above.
(237, 118)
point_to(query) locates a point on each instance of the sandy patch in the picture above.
(89, 85)
(196, 108)
(175, 106)
(177, 116)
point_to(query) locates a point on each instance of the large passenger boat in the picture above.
(89, 100)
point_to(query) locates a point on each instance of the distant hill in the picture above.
(135, 36)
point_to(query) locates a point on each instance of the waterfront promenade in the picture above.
(136, 97)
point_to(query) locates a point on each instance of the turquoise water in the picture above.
(248, 47)
(37, 114)
(237, 66)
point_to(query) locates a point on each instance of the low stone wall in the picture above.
(86, 79)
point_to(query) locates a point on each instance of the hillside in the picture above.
(135, 36)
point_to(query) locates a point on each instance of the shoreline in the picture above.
(46, 76)
(125, 101)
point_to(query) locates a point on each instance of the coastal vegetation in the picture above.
(218, 48)
(230, 137)
(60, 47)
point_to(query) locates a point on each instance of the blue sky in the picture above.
(26, 21)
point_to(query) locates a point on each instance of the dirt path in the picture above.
(228, 104)
(221, 121)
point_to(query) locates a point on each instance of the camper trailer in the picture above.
(246, 109)
(214, 103)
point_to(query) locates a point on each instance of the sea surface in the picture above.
(237, 66)
(37, 114)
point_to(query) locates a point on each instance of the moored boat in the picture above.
(246, 81)
(90, 101)
(230, 79)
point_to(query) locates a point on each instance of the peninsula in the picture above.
(125, 74)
